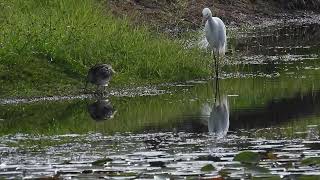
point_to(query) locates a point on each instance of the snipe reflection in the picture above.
(101, 110)
(217, 114)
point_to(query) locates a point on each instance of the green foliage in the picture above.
(46, 47)
(247, 157)
(208, 167)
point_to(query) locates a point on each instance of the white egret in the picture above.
(215, 31)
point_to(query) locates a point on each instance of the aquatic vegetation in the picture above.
(267, 178)
(311, 161)
(208, 167)
(304, 177)
(248, 157)
(101, 162)
(130, 155)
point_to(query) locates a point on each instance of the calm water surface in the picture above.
(268, 101)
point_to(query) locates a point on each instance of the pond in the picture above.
(267, 103)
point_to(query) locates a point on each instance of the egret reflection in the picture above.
(101, 110)
(217, 114)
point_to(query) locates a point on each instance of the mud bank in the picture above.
(174, 16)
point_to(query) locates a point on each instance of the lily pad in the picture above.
(247, 157)
(271, 156)
(305, 177)
(224, 173)
(267, 178)
(311, 161)
(101, 162)
(208, 167)
(257, 169)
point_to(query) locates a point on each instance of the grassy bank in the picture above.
(46, 48)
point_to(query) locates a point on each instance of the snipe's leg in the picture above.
(85, 86)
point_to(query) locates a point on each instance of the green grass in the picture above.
(47, 46)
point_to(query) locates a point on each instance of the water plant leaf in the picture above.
(267, 178)
(311, 161)
(271, 156)
(208, 167)
(247, 157)
(101, 162)
(312, 177)
(224, 173)
(257, 169)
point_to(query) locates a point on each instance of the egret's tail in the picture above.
(222, 50)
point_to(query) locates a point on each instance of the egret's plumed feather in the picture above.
(215, 32)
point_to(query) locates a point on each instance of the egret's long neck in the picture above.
(211, 22)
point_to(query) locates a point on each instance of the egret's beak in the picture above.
(113, 71)
(204, 20)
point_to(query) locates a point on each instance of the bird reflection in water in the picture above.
(101, 110)
(217, 115)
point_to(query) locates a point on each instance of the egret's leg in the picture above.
(217, 66)
(216, 79)
(218, 89)
(215, 90)
(213, 66)
(217, 76)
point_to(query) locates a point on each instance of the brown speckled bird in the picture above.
(100, 75)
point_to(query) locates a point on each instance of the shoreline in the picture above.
(175, 17)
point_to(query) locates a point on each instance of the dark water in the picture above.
(268, 101)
